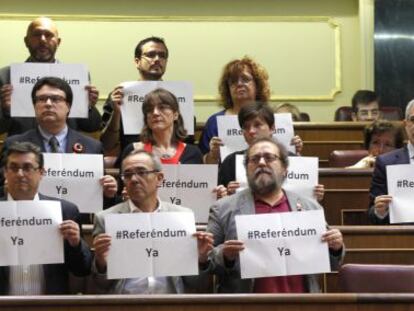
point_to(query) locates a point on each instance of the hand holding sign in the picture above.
(5, 97)
(334, 239)
(231, 249)
(101, 244)
(70, 232)
(204, 244)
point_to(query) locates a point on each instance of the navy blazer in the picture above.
(78, 260)
(379, 179)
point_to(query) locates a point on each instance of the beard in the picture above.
(264, 181)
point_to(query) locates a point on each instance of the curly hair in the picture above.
(231, 72)
(166, 98)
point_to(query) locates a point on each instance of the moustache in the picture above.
(262, 170)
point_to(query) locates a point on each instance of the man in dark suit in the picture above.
(379, 198)
(42, 40)
(52, 98)
(23, 166)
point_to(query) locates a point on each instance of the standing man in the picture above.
(151, 56)
(52, 99)
(42, 40)
(378, 212)
(266, 167)
(365, 106)
(142, 175)
(23, 169)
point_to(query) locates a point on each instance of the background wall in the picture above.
(311, 49)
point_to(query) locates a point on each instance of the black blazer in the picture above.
(78, 260)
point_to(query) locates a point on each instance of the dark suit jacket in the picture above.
(379, 179)
(78, 260)
(18, 125)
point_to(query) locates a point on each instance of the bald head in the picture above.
(42, 40)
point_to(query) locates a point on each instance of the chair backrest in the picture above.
(343, 113)
(304, 117)
(358, 278)
(342, 158)
(391, 113)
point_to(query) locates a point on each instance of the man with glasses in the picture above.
(378, 212)
(266, 164)
(151, 56)
(52, 99)
(142, 175)
(23, 169)
(42, 40)
(365, 106)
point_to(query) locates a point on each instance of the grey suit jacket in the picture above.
(222, 225)
(185, 284)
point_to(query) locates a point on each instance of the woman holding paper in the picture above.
(242, 82)
(164, 133)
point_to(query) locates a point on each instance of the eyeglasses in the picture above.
(26, 168)
(267, 157)
(54, 99)
(127, 175)
(153, 54)
(241, 79)
(160, 107)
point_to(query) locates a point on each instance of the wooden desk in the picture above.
(243, 302)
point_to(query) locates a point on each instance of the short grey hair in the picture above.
(409, 107)
(156, 162)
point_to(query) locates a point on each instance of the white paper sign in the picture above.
(190, 185)
(282, 244)
(302, 175)
(134, 93)
(75, 178)
(24, 76)
(151, 244)
(29, 233)
(232, 135)
(400, 182)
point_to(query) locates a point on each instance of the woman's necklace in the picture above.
(164, 153)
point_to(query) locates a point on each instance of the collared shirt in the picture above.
(146, 285)
(410, 148)
(62, 138)
(26, 279)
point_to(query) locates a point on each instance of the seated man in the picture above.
(379, 137)
(365, 106)
(256, 120)
(266, 167)
(52, 99)
(23, 166)
(142, 174)
(379, 198)
(42, 40)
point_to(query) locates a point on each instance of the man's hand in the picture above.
(93, 95)
(213, 156)
(334, 239)
(110, 186)
(231, 249)
(382, 204)
(205, 245)
(5, 97)
(220, 191)
(232, 187)
(101, 243)
(71, 232)
(116, 97)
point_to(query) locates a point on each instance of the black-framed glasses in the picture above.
(242, 79)
(267, 157)
(54, 99)
(127, 175)
(153, 54)
(26, 168)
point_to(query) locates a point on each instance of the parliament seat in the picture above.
(343, 158)
(343, 113)
(359, 278)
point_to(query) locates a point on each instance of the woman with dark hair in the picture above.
(379, 137)
(163, 133)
